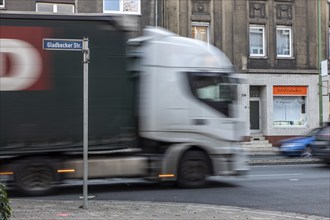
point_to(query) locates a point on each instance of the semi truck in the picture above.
(160, 106)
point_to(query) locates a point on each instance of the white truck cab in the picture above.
(187, 101)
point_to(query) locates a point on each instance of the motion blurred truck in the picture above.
(160, 106)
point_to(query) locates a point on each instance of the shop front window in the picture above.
(289, 108)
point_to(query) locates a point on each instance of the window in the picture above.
(55, 8)
(283, 41)
(257, 41)
(2, 3)
(214, 89)
(122, 6)
(289, 105)
(289, 110)
(200, 31)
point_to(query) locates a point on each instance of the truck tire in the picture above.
(193, 169)
(35, 177)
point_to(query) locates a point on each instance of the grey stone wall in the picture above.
(229, 22)
(146, 18)
(20, 5)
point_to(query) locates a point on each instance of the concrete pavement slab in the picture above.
(123, 210)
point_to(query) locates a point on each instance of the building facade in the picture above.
(274, 44)
(138, 13)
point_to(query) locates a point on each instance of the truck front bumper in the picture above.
(235, 164)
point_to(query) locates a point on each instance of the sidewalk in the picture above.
(53, 210)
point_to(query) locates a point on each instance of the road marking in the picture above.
(279, 174)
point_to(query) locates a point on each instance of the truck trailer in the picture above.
(160, 106)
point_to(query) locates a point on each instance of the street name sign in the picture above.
(324, 68)
(62, 44)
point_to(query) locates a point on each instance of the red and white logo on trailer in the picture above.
(24, 65)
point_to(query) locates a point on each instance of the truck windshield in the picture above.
(215, 89)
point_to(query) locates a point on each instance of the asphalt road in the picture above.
(303, 188)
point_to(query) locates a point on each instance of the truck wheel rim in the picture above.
(36, 178)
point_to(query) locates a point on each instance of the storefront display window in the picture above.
(289, 105)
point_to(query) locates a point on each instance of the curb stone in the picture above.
(284, 161)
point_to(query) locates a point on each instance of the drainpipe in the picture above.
(156, 13)
(319, 62)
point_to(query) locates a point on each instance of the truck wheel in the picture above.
(35, 177)
(193, 169)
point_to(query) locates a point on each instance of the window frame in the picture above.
(3, 4)
(55, 6)
(120, 11)
(201, 24)
(226, 84)
(284, 28)
(264, 48)
(290, 122)
(292, 103)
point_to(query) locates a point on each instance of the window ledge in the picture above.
(258, 57)
(289, 126)
(122, 13)
(285, 58)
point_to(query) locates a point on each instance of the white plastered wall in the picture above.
(267, 81)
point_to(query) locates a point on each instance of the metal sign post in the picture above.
(85, 64)
(77, 45)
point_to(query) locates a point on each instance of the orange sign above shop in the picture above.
(290, 90)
